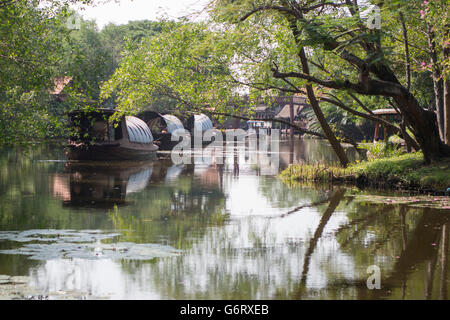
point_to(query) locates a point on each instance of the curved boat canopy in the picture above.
(158, 122)
(173, 123)
(201, 122)
(138, 131)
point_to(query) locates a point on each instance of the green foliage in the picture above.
(169, 65)
(37, 46)
(25, 118)
(186, 64)
(30, 36)
(92, 56)
(86, 60)
(330, 34)
(313, 172)
(407, 168)
(378, 150)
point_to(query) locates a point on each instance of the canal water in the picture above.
(208, 230)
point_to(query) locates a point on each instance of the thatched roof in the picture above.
(59, 84)
(286, 112)
(385, 111)
(261, 108)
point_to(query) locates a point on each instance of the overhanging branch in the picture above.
(370, 86)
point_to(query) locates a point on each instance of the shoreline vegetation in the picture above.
(404, 172)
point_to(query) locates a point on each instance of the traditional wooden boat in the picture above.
(199, 122)
(94, 137)
(163, 126)
(197, 125)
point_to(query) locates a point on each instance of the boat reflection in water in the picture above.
(105, 185)
(101, 185)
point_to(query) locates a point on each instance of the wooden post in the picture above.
(291, 152)
(237, 123)
(377, 131)
(291, 111)
(385, 132)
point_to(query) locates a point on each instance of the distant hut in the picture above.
(264, 112)
(59, 84)
(383, 113)
(293, 113)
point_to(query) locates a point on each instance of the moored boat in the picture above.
(163, 126)
(198, 125)
(94, 137)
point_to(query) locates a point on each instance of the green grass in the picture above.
(409, 169)
(314, 172)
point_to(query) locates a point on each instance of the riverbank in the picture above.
(405, 172)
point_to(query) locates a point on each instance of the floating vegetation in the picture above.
(56, 235)
(19, 288)
(437, 202)
(15, 288)
(60, 244)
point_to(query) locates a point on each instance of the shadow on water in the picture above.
(427, 244)
(209, 230)
(332, 205)
(309, 151)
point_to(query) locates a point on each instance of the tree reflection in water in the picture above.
(243, 233)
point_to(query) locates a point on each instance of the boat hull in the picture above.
(111, 152)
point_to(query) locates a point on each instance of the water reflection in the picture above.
(240, 231)
(310, 151)
(100, 186)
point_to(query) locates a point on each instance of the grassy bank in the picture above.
(407, 171)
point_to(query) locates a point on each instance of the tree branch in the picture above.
(360, 103)
(266, 7)
(286, 10)
(370, 87)
(293, 125)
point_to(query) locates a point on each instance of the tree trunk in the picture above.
(437, 82)
(335, 144)
(425, 125)
(406, 45)
(447, 98)
(422, 121)
(447, 111)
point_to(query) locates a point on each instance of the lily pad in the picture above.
(51, 235)
(19, 288)
(86, 244)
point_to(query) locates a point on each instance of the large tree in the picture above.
(337, 32)
(31, 33)
(186, 63)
